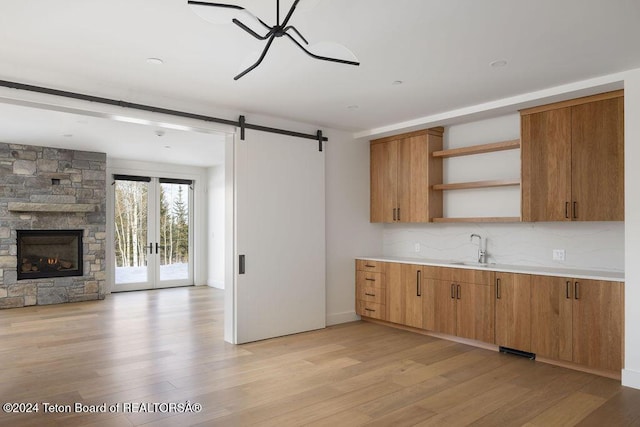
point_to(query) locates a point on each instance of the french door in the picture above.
(153, 232)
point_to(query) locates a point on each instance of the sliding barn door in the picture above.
(279, 233)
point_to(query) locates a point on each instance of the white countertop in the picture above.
(610, 275)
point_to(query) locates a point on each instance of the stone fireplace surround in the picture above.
(52, 189)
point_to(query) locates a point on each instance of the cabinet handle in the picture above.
(394, 214)
(453, 295)
(457, 291)
(370, 280)
(398, 214)
(498, 296)
(575, 210)
(370, 266)
(419, 283)
(369, 309)
(566, 210)
(567, 290)
(370, 295)
(576, 290)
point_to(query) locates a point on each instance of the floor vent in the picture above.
(507, 350)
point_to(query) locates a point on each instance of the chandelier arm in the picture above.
(250, 31)
(293, 8)
(259, 61)
(291, 27)
(228, 6)
(323, 58)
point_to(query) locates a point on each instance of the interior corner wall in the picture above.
(349, 233)
(216, 226)
(631, 371)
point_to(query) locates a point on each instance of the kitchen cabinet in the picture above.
(513, 310)
(461, 304)
(406, 286)
(578, 320)
(402, 174)
(573, 160)
(371, 289)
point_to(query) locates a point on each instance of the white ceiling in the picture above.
(440, 49)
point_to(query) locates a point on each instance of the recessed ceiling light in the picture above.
(397, 82)
(155, 61)
(352, 107)
(168, 147)
(499, 63)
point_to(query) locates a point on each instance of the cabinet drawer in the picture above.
(365, 278)
(373, 266)
(370, 293)
(371, 309)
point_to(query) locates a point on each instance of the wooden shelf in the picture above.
(477, 184)
(479, 149)
(480, 219)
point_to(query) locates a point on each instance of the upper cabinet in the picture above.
(573, 160)
(402, 173)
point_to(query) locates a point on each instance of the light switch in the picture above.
(558, 254)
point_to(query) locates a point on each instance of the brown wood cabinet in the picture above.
(406, 285)
(577, 320)
(573, 160)
(513, 310)
(460, 302)
(371, 289)
(402, 173)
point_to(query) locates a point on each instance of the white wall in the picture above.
(216, 226)
(631, 371)
(348, 231)
(198, 175)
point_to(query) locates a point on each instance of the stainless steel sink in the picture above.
(474, 264)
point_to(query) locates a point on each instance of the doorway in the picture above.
(153, 232)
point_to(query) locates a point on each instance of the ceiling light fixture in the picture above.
(279, 30)
(352, 107)
(499, 63)
(397, 82)
(155, 61)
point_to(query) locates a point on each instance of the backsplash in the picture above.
(588, 245)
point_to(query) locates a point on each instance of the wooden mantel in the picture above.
(52, 207)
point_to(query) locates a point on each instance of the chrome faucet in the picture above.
(482, 254)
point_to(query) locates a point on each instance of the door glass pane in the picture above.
(174, 231)
(131, 226)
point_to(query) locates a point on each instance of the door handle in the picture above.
(566, 210)
(575, 210)
(457, 291)
(498, 296)
(419, 283)
(241, 264)
(453, 295)
(150, 248)
(576, 290)
(398, 214)
(567, 296)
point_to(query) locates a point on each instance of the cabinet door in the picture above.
(551, 317)
(475, 311)
(395, 293)
(384, 169)
(413, 278)
(546, 165)
(513, 310)
(597, 146)
(444, 307)
(413, 179)
(597, 324)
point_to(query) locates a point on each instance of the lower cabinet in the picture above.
(371, 290)
(577, 320)
(513, 310)
(461, 309)
(573, 320)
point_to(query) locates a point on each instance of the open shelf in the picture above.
(477, 184)
(479, 149)
(480, 219)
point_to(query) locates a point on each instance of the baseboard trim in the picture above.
(344, 317)
(216, 284)
(631, 378)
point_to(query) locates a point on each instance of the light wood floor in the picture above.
(166, 346)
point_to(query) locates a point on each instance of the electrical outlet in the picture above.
(558, 254)
(416, 247)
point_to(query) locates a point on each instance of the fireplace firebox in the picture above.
(49, 253)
